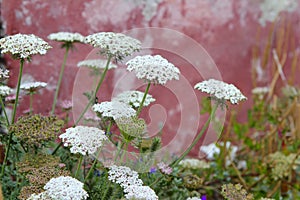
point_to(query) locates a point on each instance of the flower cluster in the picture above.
(135, 192)
(131, 126)
(281, 165)
(112, 44)
(65, 187)
(212, 149)
(193, 163)
(23, 46)
(33, 86)
(36, 129)
(40, 196)
(96, 64)
(164, 168)
(260, 90)
(4, 74)
(221, 91)
(230, 191)
(134, 98)
(193, 198)
(114, 109)
(84, 140)
(154, 69)
(66, 104)
(130, 182)
(66, 37)
(124, 176)
(5, 90)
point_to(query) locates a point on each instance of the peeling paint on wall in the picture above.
(271, 9)
(149, 7)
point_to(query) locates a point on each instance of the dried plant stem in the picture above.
(240, 176)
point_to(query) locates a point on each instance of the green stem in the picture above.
(60, 79)
(143, 100)
(78, 166)
(30, 102)
(198, 137)
(13, 116)
(91, 101)
(93, 166)
(4, 111)
(18, 91)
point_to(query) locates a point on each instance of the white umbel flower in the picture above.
(260, 90)
(112, 44)
(4, 74)
(23, 46)
(82, 139)
(193, 198)
(40, 196)
(135, 192)
(221, 90)
(96, 64)
(65, 188)
(33, 86)
(192, 163)
(5, 90)
(66, 37)
(114, 109)
(134, 98)
(124, 176)
(155, 69)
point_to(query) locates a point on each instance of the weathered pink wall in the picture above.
(227, 29)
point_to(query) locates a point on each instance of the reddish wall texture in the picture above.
(227, 29)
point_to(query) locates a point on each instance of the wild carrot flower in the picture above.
(23, 46)
(36, 129)
(131, 126)
(134, 98)
(96, 64)
(221, 91)
(114, 109)
(193, 198)
(66, 37)
(33, 86)
(40, 196)
(230, 191)
(135, 192)
(192, 163)
(82, 139)
(5, 90)
(65, 187)
(4, 74)
(66, 104)
(124, 176)
(260, 90)
(154, 69)
(115, 45)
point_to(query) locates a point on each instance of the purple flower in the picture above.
(203, 197)
(152, 170)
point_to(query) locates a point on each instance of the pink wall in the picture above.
(227, 29)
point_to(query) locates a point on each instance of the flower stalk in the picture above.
(91, 101)
(198, 137)
(60, 78)
(143, 100)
